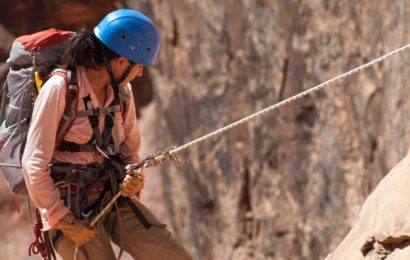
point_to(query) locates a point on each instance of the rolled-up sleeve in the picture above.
(48, 110)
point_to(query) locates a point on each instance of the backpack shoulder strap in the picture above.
(71, 102)
(108, 141)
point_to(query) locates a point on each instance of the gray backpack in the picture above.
(33, 59)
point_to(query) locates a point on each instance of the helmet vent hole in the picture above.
(123, 37)
(148, 49)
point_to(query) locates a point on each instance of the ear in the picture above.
(119, 61)
(122, 61)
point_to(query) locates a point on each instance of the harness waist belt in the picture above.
(73, 172)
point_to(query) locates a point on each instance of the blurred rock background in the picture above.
(289, 184)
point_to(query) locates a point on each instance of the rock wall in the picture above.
(28, 16)
(287, 185)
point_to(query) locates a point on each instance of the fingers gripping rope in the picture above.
(159, 158)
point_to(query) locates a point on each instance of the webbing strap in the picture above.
(118, 101)
(109, 123)
(107, 141)
(20, 67)
(71, 103)
(4, 101)
(19, 108)
(126, 72)
(138, 213)
(66, 146)
(103, 141)
(101, 111)
(93, 121)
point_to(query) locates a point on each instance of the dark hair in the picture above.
(87, 51)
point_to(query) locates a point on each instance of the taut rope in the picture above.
(172, 154)
(289, 100)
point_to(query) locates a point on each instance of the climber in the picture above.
(70, 182)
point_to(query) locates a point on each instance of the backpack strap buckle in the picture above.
(101, 111)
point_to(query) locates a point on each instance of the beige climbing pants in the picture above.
(153, 243)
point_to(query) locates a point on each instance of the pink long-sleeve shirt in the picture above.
(40, 148)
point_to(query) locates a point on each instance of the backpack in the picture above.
(32, 60)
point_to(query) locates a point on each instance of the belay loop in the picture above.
(38, 246)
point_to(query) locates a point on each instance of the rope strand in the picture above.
(289, 100)
(145, 164)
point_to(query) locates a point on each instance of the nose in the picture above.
(140, 69)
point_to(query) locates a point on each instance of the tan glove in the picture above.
(75, 229)
(132, 184)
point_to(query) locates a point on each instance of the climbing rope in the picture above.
(38, 246)
(289, 100)
(173, 153)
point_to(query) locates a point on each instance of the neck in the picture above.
(99, 80)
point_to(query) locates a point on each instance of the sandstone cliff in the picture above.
(290, 184)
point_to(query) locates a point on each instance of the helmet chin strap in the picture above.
(114, 82)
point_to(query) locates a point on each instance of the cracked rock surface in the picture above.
(290, 184)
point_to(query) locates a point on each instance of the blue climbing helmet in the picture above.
(130, 34)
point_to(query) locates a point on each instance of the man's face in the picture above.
(119, 66)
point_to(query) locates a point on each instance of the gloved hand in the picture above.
(75, 229)
(132, 183)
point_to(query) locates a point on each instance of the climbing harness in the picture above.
(173, 154)
(159, 158)
(104, 143)
(77, 182)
